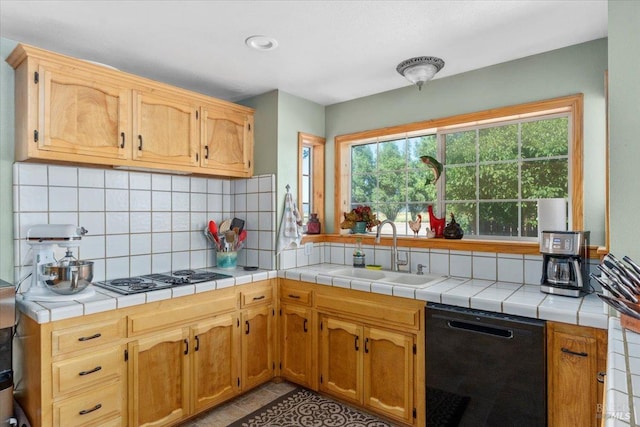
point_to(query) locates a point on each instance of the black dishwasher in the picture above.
(484, 368)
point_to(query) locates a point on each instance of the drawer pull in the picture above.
(258, 298)
(92, 337)
(575, 353)
(96, 369)
(294, 296)
(88, 411)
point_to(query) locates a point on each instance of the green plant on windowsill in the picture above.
(360, 213)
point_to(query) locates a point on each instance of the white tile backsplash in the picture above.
(142, 222)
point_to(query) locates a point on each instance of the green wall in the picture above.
(624, 98)
(7, 154)
(575, 69)
(279, 117)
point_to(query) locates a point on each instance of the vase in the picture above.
(360, 227)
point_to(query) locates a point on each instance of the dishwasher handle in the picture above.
(481, 329)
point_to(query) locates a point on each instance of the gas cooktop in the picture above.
(152, 282)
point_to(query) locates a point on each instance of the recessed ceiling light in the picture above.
(261, 42)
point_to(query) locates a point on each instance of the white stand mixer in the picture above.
(43, 238)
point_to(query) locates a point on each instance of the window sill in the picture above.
(469, 245)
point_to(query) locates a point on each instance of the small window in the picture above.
(311, 175)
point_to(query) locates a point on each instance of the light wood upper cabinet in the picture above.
(72, 111)
(165, 129)
(227, 139)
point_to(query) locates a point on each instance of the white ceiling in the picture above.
(329, 51)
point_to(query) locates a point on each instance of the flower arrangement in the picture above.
(360, 214)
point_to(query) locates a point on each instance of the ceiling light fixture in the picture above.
(263, 43)
(420, 69)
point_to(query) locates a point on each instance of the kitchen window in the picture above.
(497, 164)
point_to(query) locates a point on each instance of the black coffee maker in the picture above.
(565, 269)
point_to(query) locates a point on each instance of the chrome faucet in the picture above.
(394, 247)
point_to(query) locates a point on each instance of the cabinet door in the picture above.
(227, 141)
(573, 387)
(159, 372)
(257, 346)
(389, 373)
(215, 363)
(80, 115)
(165, 129)
(341, 366)
(296, 333)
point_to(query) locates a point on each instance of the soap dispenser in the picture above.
(358, 254)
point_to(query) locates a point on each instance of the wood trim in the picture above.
(470, 245)
(607, 160)
(572, 104)
(317, 144)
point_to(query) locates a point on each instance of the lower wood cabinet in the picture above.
(368, 366)
(297, 344)
(368, 350)
(159, 378)
(215, 364)
(576, 362)
(258, 365)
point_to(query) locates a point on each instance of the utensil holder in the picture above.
(227, 259)
(630, 323)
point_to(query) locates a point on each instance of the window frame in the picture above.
(572, 105)
(317, 145)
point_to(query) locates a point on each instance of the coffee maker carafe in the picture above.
(565, 262)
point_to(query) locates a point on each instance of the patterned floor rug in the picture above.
(303, 408)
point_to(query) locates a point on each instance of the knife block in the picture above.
(630, 323)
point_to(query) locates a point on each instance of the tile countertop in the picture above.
(501, 297)
(623, 377)
(504, 297)
(105, 300)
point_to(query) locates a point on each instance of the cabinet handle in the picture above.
(186, 342)
(197, 157)
(258, 298)
(246, 323)
(575, 353)
(366, 345)
(356, 343)
(294, 296)
(197, 343)
(206, 152)
(96, 369)
(122, 136)
(600, 377)
(92, 337)
(304, 325)
(140, 143)
(88, 411)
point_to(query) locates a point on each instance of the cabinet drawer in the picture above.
(86, 336)
(89, 370)
(155, 320)
(254, 295)
(103, 406)
(377, 308)
(295, 295)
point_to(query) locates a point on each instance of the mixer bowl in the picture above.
(69, 277)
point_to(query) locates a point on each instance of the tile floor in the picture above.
(243, 405)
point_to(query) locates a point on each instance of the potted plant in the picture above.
(360, 219)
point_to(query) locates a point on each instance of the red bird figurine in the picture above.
(436, 224)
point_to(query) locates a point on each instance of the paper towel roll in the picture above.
(552, 215)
